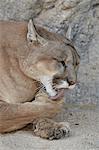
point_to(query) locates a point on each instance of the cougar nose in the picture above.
(71, 82)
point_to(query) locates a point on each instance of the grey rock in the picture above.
(20, 9)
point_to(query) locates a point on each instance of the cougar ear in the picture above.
(76, 58)
(31, 35)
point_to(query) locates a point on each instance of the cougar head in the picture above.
(52, 61)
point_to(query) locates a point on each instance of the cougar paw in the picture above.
(49, 129)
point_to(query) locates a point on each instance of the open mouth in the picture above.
(56, 91)
(60, 86)
(60, 94)
(61, 90)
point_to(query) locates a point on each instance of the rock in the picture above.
(76, 19)
(20, 9)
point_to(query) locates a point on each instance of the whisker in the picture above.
(34, 81)
(38, 88)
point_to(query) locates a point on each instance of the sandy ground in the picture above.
(84, 136)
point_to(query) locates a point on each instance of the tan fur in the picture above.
(23, 64)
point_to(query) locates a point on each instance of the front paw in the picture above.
(49, 129)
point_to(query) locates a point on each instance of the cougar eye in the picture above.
(63, 63)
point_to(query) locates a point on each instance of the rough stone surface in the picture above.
(76, 19)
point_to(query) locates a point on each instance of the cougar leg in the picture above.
(16, 116)
(47, 128)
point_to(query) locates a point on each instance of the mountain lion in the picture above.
(36, 66)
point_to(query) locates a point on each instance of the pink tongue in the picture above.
(59, 95)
